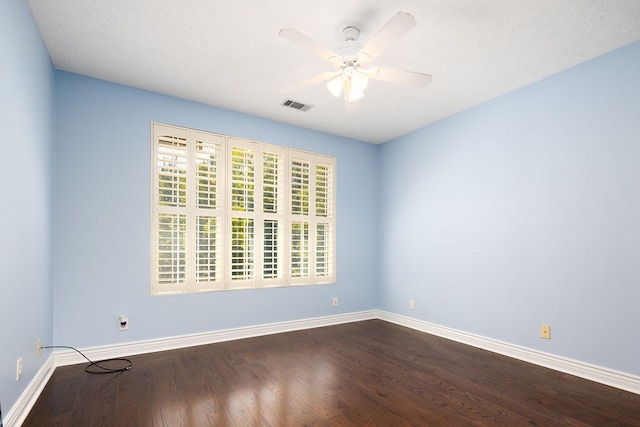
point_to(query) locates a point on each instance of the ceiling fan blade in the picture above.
(305, 42)
(318, 78)
(397, 27)
(410, 78)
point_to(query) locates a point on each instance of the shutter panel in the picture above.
(170, 200)
(172, 250)
(172, 171)
(322, 190)
(324, 211)
(242, 249)
(273, 193)
(324, 251)
(208, 244)
(300, 171)
(242, 179)
(271, 183)
(208, 165)
(299, 249)
(209, 225)
(242, 167)
(271, 249)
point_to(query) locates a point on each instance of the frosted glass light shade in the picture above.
(359, 82)
(353, 86)
(335, 86)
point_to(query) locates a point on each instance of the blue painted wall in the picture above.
(522, 211)
(102, 220)
(26, 96)
(525, 211)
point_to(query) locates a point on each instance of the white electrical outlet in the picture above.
(19, 369)
(335, 301)
(123, 322)
(412, 304)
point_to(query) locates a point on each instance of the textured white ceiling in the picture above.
(228, 53)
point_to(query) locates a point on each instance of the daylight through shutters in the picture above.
(229, 213)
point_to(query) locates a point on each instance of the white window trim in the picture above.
(224, 213)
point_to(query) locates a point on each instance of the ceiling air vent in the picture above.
(297, 105)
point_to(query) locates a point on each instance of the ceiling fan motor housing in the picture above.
(350, 47)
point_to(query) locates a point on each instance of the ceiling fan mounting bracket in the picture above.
(350, 34)
(350, 47)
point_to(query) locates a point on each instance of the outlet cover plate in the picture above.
(545, 332)
(19, 369)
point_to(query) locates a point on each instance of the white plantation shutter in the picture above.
(170, 199)
(242, 167)
(208, 248)
(312, 239)
(171, 161)
(272, 215)
(229, 213)
(300, 181)
(187, 223)
(171, 248)
(209, 213)
(299, 249)
(324, 235)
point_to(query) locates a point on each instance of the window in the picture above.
(229, 213)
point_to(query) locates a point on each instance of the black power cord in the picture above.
(95, 367)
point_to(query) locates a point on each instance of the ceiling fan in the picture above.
(351, 60)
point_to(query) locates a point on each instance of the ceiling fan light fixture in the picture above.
(359, 82)
(335, 86)
(354, 87)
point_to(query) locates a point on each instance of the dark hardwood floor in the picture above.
(365, 373)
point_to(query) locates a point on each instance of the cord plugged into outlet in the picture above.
(95, 367)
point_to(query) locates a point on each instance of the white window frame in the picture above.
(320, 195)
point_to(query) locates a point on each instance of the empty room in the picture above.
(336, 213)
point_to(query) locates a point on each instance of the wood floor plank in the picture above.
(370, 373)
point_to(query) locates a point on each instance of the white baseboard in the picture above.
(21, 408)
(606, 376)
(70, 357)
(587, 371)
(27, 399)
